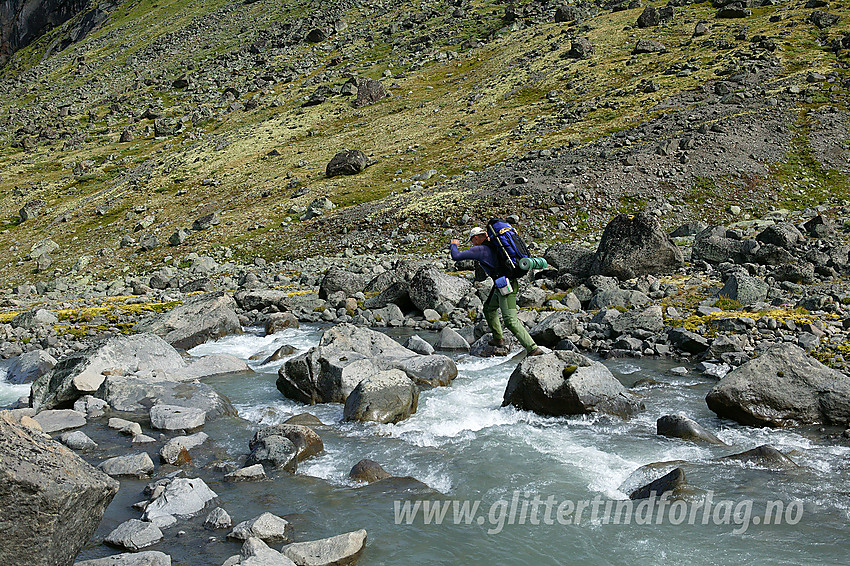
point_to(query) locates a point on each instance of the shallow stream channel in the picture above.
(506, 486)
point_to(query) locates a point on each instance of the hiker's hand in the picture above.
(455, 241)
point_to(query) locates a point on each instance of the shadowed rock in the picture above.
(668, 482)
(677, 426)
(764, 455)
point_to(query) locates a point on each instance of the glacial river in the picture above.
(535, 480)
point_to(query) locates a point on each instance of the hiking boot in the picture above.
(497, 342)
(536, 352)
(500, 351)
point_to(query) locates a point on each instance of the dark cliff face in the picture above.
(22, 21)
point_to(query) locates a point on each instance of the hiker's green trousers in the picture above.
(507, 304)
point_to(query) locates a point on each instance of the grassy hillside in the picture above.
(468, 89)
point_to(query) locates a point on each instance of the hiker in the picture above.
(483, 252)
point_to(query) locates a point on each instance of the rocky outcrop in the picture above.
(51, 501)
(22, 21)
(567, 383)
(346, 355)
(634, 245)
(202, 318)
(783, 386)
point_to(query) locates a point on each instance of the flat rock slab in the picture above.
(147, 558)
(249, 473)
(341, 549)
(63, 419)
(77, 440)
(134, 535)
(172, 417)
(134, 465)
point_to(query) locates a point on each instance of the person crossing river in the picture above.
(484, 252)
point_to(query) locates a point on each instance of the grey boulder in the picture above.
(146, 558)
(341, 549)
(554, 328)
(29, 366)
(745, 289)
(83, 373)
(133, 465)
(386, 397)
(134, 535)
(783, 386)
(305, 439)
(567, 383)
(266, 527)
(59, 420)
(173, 417)
(275, 450)
(202, 318)
(431, 288)
(51, 501)
(182, 497)
(449, 340)
(633, 245)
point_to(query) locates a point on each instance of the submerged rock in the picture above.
(567, 383)
(51, 501)
(677, 426)
(783, 386)
(670, 481)
(764, 455)
(368, 471)
(274, 450)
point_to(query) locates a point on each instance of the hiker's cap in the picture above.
(476, 231)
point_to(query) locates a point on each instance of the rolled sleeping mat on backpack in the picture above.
(528, 263)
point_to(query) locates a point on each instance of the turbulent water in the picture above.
(467, 448)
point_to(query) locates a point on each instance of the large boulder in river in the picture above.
(431, 288)
(137, 395)
(567, 383)
(51, 501)
(386, 397)
(346, 355)
(783, 386)
(82, 373)
(633, 245)
(202, 318)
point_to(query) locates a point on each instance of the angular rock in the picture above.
(784, 386)
(554, 328)
(784, 234)
(633, 245)
(34, 319)
(449, 340)
(649, 320)
(687, 341)
(341, 549)
(200, 319)
(173, 417)
(136, 395)
(218, 519)
(249, 473)
(567, 383)
(82, 373)
(281, 321)
(419, 345)
(648, 46)
(77, 440)
(570, 258)
(341, 281)
(51, 501)
(172, 451)
(677, 426)
(386, 397)
(345, 356)
(266, 527)
(134, 535)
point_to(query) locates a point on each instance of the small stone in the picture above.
(218, 519)
(249, 473)
(134, 535)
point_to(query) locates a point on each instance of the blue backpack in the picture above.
(509, 247)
